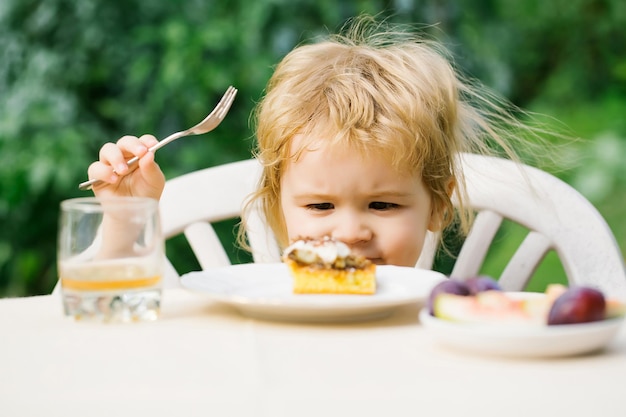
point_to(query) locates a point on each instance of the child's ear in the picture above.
(438, 211)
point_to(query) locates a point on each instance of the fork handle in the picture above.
(88, 185)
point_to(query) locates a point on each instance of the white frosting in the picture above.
(327, 250)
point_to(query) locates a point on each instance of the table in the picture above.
(204, 359)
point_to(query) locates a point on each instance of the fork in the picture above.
(209, 123)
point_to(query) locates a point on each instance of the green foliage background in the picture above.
(76, 74)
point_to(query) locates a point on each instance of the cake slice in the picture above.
(328, 266)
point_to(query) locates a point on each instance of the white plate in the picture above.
(522, 340)
(265, 291)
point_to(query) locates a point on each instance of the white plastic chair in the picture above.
(192, 202)
(557, 216)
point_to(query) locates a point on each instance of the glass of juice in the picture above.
(111, 258)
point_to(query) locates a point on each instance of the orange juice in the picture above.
(108, 276)
(120, 290)
(125, 284)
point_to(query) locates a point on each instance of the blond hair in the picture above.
(376, 90)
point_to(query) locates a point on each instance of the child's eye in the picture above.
(320, 206)
(379, 205)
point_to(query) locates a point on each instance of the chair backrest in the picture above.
(192, 202)
(557, 217)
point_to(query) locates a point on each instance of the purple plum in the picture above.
(450, 286)
(482, 283)
(578, 305)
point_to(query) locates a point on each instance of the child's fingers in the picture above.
(132, 145)
(149, 167)
(117, 154)
(112, 156)
(102, 172)
(152, 173)
(148, 140)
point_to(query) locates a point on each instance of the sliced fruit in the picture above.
(490, 307)
(615, 308)
(480, 300)
(450, 286)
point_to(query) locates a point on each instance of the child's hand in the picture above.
(143, 179)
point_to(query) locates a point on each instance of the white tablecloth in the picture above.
(204, 359)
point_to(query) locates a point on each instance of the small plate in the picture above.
(522, 340)
(265, 291)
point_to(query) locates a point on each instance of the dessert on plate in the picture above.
(328, 266)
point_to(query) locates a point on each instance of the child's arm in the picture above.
(144, 179)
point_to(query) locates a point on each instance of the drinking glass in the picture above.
(111, 258)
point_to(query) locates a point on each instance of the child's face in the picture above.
(359, 200)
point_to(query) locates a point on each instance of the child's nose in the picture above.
(352, 230)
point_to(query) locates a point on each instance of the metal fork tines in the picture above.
(209, 123)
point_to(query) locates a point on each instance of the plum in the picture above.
(578, 305)
(450, 286)
(482, 283)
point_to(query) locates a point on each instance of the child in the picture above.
(359, 137)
